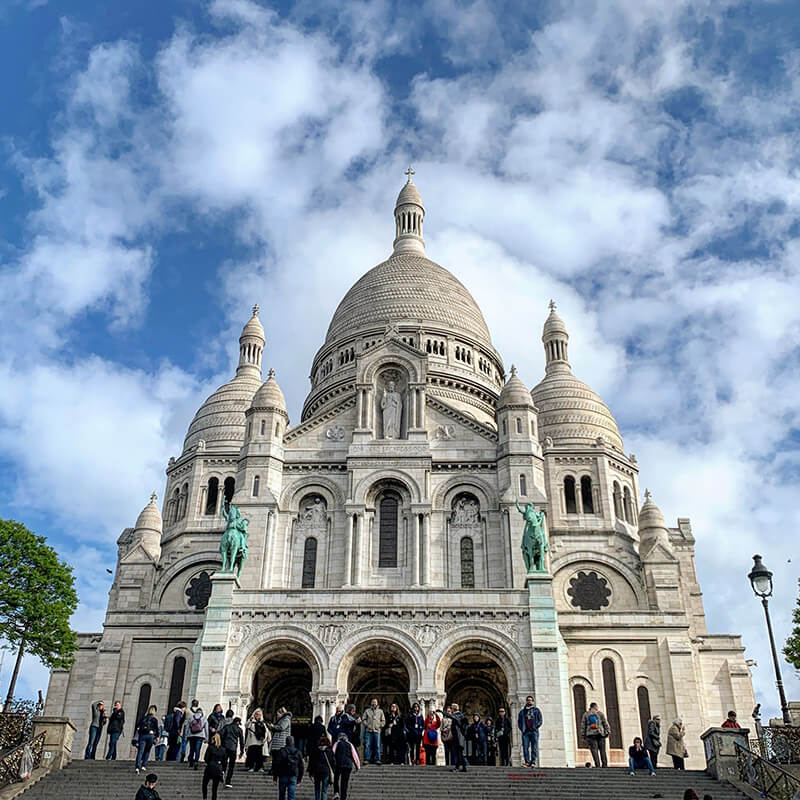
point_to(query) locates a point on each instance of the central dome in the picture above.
(408, 287)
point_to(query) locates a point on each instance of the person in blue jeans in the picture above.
(287, 769)
(116, 724)
(639, 758)
(146, 732)
(529, 720)
(98, 720)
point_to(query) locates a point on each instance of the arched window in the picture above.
(523, 485)
(387, 542)
(309, 563)
(612, 703)
(176, 682)
(175, 507)
(519, 425)
(467, 563)
(184, 504)
(643, 698)
(256, 483)
(627, 505)
(569, 495)
(586, 495)
(211, 496)
(277, 430)
(263, 426)
(579, 705)
(229, 489)
(617, 501)
(505, 427)
(144, 701)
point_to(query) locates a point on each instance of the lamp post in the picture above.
(761, 581)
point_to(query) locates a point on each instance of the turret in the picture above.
(556, 340)
(659, 564)
(516, 418)
(251, 346)
(147, 531)
(408, 216)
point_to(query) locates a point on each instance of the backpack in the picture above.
(344, 755)
(433, 736)
(196, 725)
(594, 722)
(144, 726)
(260, 729)
(291, 761)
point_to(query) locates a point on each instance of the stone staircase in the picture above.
(84, 780)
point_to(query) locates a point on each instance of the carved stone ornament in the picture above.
(445, 432)
(198, 592)
(589, 591)
(466, 512)
(426, 635)
(335, 433)
(314, 514)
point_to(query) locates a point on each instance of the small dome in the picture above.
(409, 194)
(514, 393)
(269, 395)
(553, 324)
(650, 516)
(150, 518)
(253, 326)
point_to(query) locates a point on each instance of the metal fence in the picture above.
(24, 758)
(767, 778)
(779, 744)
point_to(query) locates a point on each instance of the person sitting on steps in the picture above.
(639, 758)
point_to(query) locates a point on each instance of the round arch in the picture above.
(369, 486)
(211, 561)
(588, 557)
(444, 494)
(370, 368)
(294, 493)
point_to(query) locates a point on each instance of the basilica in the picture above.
(384, 540)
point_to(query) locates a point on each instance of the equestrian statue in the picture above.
(233, 545)
(534, 541)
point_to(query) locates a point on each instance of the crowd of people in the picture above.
(332, 750)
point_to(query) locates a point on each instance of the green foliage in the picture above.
(37, 596)
(792, 649)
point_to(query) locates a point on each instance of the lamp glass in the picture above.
(762, 584)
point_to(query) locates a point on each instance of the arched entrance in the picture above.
(378, 670)
(283, 679)
(476, 681)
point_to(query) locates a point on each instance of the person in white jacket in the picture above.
(195, 732)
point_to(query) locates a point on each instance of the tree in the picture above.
(792, 649)
(37, 598)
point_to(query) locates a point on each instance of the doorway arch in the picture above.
(379, 668)
(475, 677)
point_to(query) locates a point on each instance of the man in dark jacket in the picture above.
(173, 723)
(529, 720)
(116, 723)
(652, 742)
(341, 722)
(96, 723)
(459, 741)
(476, 733)
(503, 733)
(287, 769)
(232, 739)
(148, 790)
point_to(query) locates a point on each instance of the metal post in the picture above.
(778, 680)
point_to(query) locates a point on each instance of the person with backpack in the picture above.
(255, 736)
(147, 791)
(173, 722)
(116, 723)
(446, 731)
(374, 721)
(98, 720)
(321, 766)
(503, 732)
(287, 769)
(146, 732)
(216, 758)
(280, 731)
(216, 719)
(415, 727)
(459, 740)
(595, 729)
(345, 759)
(232, 740)
(529, 720)
(430, 737)
(195, 732)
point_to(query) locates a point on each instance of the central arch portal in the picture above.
(477, 682)
(283, 679)
(378, 671)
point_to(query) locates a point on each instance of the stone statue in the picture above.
(465, 512)
(233, 545)
(315, 515)
(392, 406)
(534, 541)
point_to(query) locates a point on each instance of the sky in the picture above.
(165, 165)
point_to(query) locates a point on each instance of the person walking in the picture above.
(353, 726)
(280, 731)
(287, 769)
(345, 759)
(216, 720)
(396, 735)
(321, 766)
(652, 741)
(529, 720)
(503, 733)
(146, 732)
(595, 729)
(731, 722)
(232, 741)
(638, 757)
(116, 725)
(195, 732)
(216, 758)
(174, 722)
(430, 738)
(315, 736)
(415, 727)
(96, 723)
(336, 724)
(476, 734)
(491, 743)
(161, 743)
(255, 737)
(447, 735)
(147, 791)
(459, 741)
(373, 720)
(675, 744)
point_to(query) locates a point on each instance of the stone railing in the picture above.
(11, 764)
(768, 779)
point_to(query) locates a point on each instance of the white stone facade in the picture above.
(384, 547)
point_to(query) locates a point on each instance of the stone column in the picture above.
(360, 409)
(412, 411)
(358, 547)
(220, 499)
(415, 552)
(348, 551)
(426, 549)
(203, 499)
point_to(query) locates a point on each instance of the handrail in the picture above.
(765, 777)
(11, 762)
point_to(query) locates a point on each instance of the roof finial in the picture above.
(410, 172)
(271, 374)
(153, 498)
(255, 310)
(552, 305)
(647, 495)
(513, 370)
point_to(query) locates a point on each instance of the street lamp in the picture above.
(761, 581)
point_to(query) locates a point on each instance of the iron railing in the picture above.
(11, 762)
(767, 778)
(779, 744)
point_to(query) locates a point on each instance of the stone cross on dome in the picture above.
(153, 498)
(255, 310)
(410, 172)
(552, 305)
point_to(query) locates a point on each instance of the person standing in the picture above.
(195, 732)
(146, 732)
(595, 729)
(315, 737)
(731, 722)
(476, 733)
(161, 742)
(447, 735)
(396, 735)
(173, 722)
(415, 726)
(638, 758)
(459, 741)
(321, 766)
(193, 706)
(232, 740)
(147, 791)
(503, 733)
(374, 720)
(345, 759)
(652, 741)
(353, 726)
(287, 769)
(336, 724)
(216, 719)
(255, 736)
(529, 720)
(280, 731)
(116, 724)
(675, 744)
(216, 758)
(430, 738)
(491, 743)
(96, 723)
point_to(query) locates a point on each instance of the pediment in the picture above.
(658, 553)
(137, 555)
(446, 424)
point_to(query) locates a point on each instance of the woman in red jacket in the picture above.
(430, 738)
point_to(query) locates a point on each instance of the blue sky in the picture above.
(165, 165)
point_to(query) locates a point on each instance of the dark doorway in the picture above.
(477, 683)
(378, 672)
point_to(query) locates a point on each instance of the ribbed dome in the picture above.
(553, 324)
(570, 412)
(269, 395)
(150, 517)
(409, 288)
(253, 326)
(514, 393)
(409, 194)
(220, 421)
